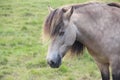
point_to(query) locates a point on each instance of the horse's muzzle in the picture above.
(55, 63)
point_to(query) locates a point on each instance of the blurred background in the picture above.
(22, 50)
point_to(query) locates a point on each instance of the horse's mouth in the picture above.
(55, 65)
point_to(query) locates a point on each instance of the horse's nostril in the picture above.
(52, 62)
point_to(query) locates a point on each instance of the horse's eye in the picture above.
(61, 33)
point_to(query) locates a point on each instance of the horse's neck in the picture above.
(94, 24)
(84, 19)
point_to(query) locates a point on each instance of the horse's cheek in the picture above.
(70, 39)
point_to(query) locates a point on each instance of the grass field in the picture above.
(22, 52)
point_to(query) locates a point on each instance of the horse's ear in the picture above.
(50, 9)
(68, 12)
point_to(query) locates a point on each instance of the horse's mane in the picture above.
(114, 5)
(53, 22)
(77, 48)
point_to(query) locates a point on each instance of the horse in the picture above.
(94, 26)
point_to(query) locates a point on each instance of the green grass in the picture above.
(22, 52)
